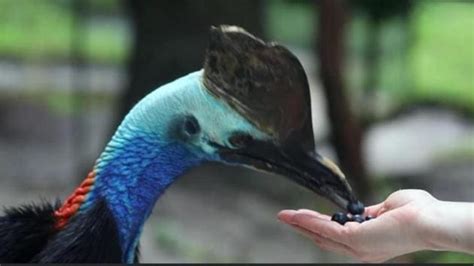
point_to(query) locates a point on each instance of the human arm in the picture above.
(407, 221)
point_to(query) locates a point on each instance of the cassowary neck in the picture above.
(132, 173)
(138, 164)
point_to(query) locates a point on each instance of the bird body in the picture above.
(181, 125)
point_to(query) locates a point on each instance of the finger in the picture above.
(323, 227)
(314, 214)
(286, 216)
(374, 209)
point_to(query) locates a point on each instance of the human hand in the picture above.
(397, 228)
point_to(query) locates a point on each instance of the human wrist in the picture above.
(445, 225)
(430, 225)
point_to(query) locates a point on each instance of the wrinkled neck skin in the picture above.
(138, 165)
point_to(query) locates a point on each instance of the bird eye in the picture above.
(191, 126)
(240, 140)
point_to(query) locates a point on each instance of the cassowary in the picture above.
(248, 106)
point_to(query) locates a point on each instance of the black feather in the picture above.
(27, 234)
(90, 236)
(25, 230)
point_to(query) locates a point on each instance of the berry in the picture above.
(356, 207)
(357, 218)
(369, 218)
(340, 218)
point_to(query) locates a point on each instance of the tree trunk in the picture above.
(171, 38)
(346, 132)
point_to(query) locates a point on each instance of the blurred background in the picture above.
(392, 89)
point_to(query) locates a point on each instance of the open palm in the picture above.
(394, 231)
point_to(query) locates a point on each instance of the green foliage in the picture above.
(106, 43)
(43, 29)
(443, 53)
(426, 57)
(291, 22)
(34, 28)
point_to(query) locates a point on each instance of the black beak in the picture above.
(310, 170)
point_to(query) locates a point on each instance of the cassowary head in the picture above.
(251, 107)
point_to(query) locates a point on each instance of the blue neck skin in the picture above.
(144, 157)
(132, 174)
(140, 161)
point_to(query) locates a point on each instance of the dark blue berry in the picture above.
(348, 216)
(355, 207)
(340, 218)
(369, 218)
(357, 218)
